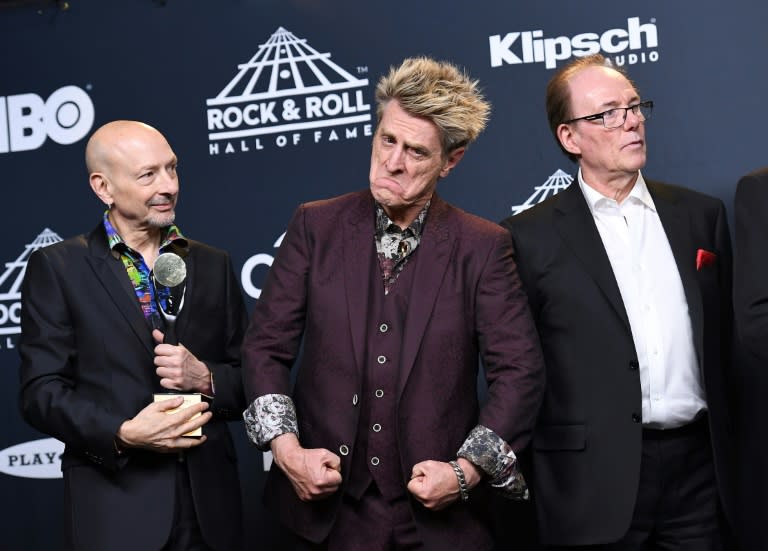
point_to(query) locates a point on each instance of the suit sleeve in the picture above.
(273, 337)
(751, 265)
(514, 369)
(49, 399)
(521, 267)
(509, 347)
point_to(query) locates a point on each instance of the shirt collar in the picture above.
(638, 194)
(171, 234)
(384, 223)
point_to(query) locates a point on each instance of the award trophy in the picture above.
(170, 271)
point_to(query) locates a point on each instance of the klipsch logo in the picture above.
(26, 120)
(636, 43)
(10, 288)
(34, 459)
(284, 90)
(554, 185)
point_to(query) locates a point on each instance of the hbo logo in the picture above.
(26, 120)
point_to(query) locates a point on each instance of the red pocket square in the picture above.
(704, 258)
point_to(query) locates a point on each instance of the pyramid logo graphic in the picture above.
(554, 185)
(287, 86)
(10, 283)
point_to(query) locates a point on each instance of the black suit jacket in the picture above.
(87, 366)
(751, 306)
(587, 441)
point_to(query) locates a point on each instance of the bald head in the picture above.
(109, 144)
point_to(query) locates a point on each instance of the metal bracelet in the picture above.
(463, 488)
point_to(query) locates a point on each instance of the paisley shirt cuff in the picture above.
(268, 417)
(495, 458)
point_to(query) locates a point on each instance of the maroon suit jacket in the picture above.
(467, 302)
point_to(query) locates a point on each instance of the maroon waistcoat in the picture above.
(376, 455)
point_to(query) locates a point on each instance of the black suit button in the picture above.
(636, 417)
(634, 364)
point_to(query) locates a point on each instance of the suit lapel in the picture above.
(111, 274)
(358, 250)
(576, 226)
(675, 220)
(434, 253)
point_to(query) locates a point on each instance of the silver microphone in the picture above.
(170, 270)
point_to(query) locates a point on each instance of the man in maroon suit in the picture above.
(382, 443)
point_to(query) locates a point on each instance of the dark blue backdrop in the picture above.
(292, 80)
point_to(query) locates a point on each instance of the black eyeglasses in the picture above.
(614, 118)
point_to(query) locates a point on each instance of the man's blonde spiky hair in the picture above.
(440, 92)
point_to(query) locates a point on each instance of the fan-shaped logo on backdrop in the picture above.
(10, 288)
(637, 43)
(286, 89)
(552, 186)
(26, 121)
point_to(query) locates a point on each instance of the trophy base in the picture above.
(190, 399)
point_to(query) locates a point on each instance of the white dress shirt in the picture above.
(654, 299)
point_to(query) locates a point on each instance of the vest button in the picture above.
(636, 417)
(381, 359)
(379, 393)
(383, 327)
(634, 364)
(343, 449)
(374, 461)
(354, 400)
(376, 427)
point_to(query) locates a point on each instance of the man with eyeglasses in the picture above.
(629, 283)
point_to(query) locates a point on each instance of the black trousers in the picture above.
(185, 534)
(677, 506)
